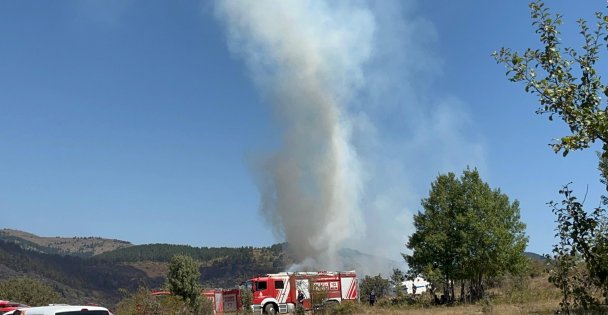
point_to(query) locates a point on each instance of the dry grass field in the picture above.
(541, 307)
(531, 295)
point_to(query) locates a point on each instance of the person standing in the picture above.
(372, 297)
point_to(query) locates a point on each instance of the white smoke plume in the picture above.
(361, 137)
(306, 56)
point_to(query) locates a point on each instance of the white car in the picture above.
(61, 310)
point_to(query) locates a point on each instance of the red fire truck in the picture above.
(277, 293)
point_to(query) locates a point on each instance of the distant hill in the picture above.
(76, 246)
(534, 256)
(79, 280)
(68, 264)
(220, 267)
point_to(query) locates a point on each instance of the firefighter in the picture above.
(300, 297)
(372, 298)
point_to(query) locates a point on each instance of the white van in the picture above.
(62, 310)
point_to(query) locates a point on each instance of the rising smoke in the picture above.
(325, 67)
(307, 57)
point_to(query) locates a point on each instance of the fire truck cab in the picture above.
(277, 293)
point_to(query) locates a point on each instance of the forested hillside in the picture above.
(82, 278)
(164, 252)
(77, 246)
(78, 279)
(220, 267)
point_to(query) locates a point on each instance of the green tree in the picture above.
(376, 283)
(396, 279)
(567, 84)
(467, 235)
(183, 281)
(564, 79)
(246, 300)
(580, 265)
(28, 291)
(143, 302)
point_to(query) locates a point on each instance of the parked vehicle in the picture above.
(277, 293)
(416, 286)
(6, 306)
(62, 309)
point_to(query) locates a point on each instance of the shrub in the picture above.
(28, 291)
(344, 308)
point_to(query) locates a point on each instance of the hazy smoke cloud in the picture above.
(306, 56)
(362, 133)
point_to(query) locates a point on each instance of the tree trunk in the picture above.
(462, 298)
(452, 291)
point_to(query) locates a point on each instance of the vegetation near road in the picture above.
(28, 291)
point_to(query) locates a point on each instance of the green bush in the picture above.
(246, 300)
(28, 291)
(144, 303)
(344, 308)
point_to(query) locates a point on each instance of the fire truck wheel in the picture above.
(269, 309)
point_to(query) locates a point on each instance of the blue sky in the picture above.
(143, 120)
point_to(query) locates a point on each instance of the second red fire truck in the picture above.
(277, 293)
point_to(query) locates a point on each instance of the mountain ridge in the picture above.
(76, 246)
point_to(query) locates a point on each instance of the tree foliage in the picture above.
(97, 280)
(183, 281)
(246, 297)
(28, 291)
(397, 277)
(568, 86)
(467, 234)
(564, 78)
(142, 302)
(396, 281)
(580, 268)
(376, 283)
(165, 252)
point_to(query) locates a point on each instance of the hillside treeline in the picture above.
(25, 244)
(234, 269)
(164, 253)
(84, 275)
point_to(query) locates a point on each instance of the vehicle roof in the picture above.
(51, 309)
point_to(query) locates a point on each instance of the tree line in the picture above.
(165, 252)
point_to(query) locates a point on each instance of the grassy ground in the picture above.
(530, 295)
(541, 307)
(536, 307)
